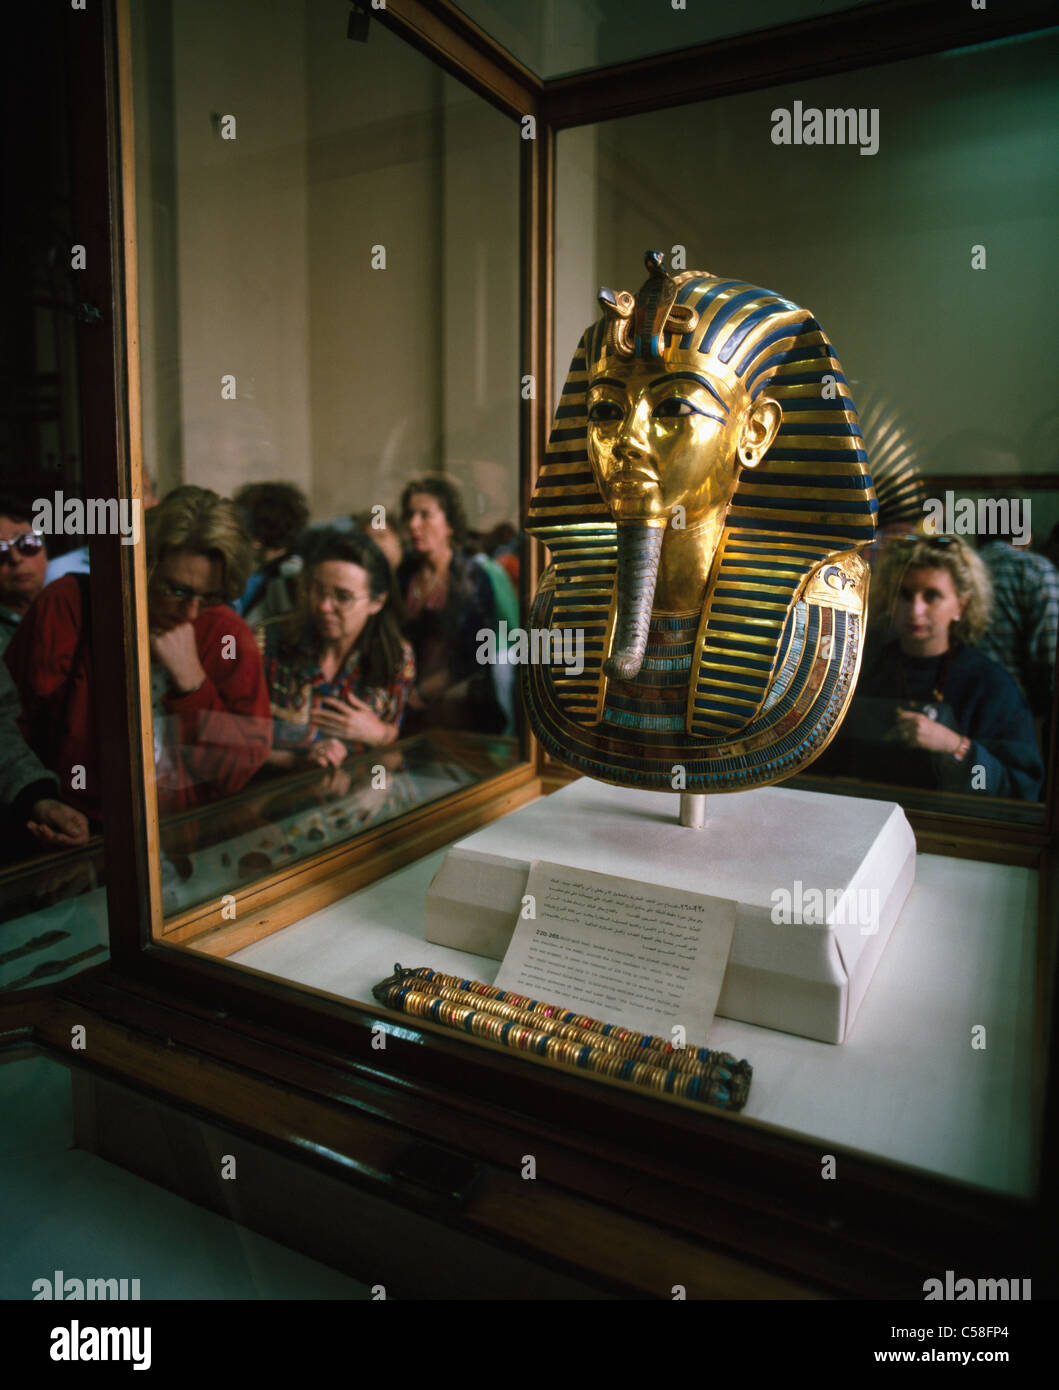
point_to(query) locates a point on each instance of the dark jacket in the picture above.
(449, 636)
(24, 780)
(979, 700)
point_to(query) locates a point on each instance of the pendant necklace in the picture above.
(938, 692)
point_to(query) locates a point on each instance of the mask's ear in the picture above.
(759, 430)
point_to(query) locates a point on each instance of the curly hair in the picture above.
(276, 513)
(446, 493)
(970, 578)
(196, 519)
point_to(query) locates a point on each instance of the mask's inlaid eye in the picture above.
(605, 412)
(673, 407)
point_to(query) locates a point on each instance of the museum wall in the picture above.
(154, 196)
(231, 237)
(256, 259)
(577, 188)
(878, 246)
(480, 357)
(374, 179)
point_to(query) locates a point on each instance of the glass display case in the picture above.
(350, 249)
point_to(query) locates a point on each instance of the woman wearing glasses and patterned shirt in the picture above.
(339, 676)
(930, 709)
(212, 729)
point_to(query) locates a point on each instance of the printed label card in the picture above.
(638, 954)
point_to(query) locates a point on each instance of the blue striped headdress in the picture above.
(810, 498)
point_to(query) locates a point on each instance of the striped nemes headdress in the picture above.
(810, 498)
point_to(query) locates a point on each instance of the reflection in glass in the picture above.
(275, 514)
(449, 599)
(52, 899)
(277, 824)
(556, 37)
(209, 701)
(23, 562)
(932, 710)
(1023, 631)
(329, 309)
(883, 247)
(54, 913)
(339, 672)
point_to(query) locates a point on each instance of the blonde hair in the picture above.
(196, 519)
(970, 578)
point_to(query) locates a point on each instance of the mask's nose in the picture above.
(632, 446)
(630, 449)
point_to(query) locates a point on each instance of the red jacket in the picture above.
(217, 736)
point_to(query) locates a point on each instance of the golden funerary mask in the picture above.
(704, 495)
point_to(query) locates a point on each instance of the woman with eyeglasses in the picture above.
(339, 676)
(931, 710)
(209, 701)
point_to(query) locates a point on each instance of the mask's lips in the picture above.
(639, 550)
(631, 482)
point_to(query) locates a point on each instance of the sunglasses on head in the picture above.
(29, 543)
(938, 542)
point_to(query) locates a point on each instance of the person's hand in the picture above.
(177, 652)
(69, 877)
(54, 823)
(336, 782)
(431, 687)
(920, 731)
(327, 752)
(353, 720)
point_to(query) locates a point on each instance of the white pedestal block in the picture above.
(837, 868)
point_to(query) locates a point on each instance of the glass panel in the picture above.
(871, 1093)
(554, 38)
(954, 1116)
(93, 1203)
(52, 898)
(328, 241)
(921, 253)
(275, 825)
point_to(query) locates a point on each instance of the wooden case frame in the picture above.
(628, 1185)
